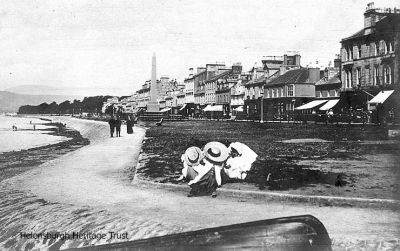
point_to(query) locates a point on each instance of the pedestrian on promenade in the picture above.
(209, 177)
(118, 123)
(192, 163)
(129, 125)
(112, 122)
(34, 127)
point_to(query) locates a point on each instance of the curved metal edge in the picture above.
(322, 239)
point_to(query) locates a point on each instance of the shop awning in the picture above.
(311, 104)
(207, 108)
(183, 107)
(166, 109)
(329, 104)
(239, 109)
(215, 108)
(138, 109)
(381, 97)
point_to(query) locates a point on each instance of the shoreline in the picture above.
(51, 198)
(13, 163)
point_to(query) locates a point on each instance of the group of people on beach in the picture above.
(215, 165)
(115, 125)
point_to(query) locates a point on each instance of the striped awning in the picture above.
(166, 109)
(381, 97)
(183, 107)
(311, 104)
(239, 109)
(329, 104)
(215, 108)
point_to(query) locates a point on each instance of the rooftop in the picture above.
(333, 80)
(390, 20)
(292, 77)
(223, 74)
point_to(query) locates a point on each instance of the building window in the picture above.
(385, 47)
(387, 73)
(358, 80)
(359, 51)
(350, 53)
(290, 91)
(346, 81)
(390, 47)
(376, 75)
(376, 49)
(349, 79)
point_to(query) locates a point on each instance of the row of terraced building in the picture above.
(363, 80)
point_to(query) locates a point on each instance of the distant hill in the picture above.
(10, 102)
(37, 90)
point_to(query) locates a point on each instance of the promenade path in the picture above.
(88, 190)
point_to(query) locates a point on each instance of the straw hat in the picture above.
(216, 152)
(193, 156)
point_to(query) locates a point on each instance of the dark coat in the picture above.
(112, 123)
(118, 123)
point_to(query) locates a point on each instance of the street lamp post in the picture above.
(262, 104)
(293, 102)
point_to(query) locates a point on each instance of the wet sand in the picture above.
(87, 191)
(16, 162)
(25, 137)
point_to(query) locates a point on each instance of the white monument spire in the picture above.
(153, 105)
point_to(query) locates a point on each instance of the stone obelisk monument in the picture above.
(153, 105)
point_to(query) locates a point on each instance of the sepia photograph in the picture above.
(200, 125)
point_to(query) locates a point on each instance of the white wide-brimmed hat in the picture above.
(193, 156)
(216, 152)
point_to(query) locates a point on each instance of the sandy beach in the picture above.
(26, 136)
(88, 190)
(25, 149)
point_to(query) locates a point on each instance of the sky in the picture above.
(105, 47)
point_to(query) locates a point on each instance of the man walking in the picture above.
(118, 123)
(112, 123)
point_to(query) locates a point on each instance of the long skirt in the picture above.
(129, 127)
(206, 185)
(191, 173)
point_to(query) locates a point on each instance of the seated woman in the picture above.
(191, 163)
(240, 161)
(209, 176)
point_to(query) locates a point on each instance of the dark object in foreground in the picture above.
(160, 122)
(339, 181)
(288, 233)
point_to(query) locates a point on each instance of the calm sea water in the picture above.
(25, 137)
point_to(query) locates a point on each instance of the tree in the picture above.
(76, 107)
(65, 107)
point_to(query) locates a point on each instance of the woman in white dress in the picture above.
(240, 161)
